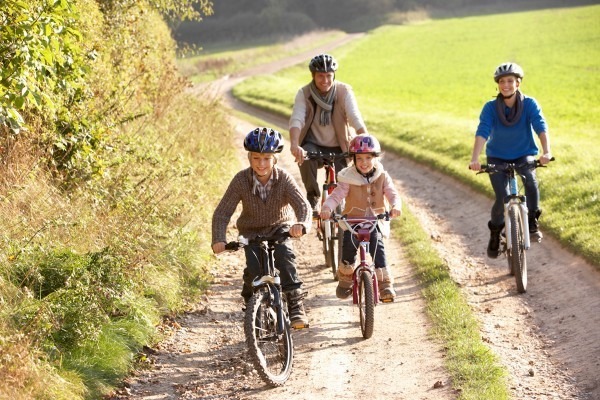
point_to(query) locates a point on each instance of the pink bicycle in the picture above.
(365, 284)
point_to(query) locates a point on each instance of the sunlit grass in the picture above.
(421, 89)
(474, 369)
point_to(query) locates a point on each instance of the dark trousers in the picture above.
(285, 262)
(309, 168)
(376, 248)
(500, 185)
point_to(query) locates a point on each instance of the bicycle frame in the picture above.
(328, 231)
(270, 281)
(362, 228)
(514, 199)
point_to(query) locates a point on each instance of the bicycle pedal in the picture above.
(297, 328)
(386, 300)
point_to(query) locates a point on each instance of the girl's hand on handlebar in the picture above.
(218, 247)
(297, 230)
(325, 213)
(395, 212)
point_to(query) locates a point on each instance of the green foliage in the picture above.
(41, 59)
(72, 296)
(427, 108)
(103, 196)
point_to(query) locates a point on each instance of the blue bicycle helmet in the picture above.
(263, 140)
(323, 63)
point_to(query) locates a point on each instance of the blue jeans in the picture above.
(285, 262)
(376, 248)
(500, 185)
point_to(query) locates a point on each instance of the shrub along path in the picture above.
(548, 339)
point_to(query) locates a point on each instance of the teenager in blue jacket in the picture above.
(507, 128)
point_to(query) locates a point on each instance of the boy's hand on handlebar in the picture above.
(297, 230)
(218, 247)
(325, 213)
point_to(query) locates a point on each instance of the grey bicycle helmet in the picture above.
(323, 63)
(263, 140)
(508, 69)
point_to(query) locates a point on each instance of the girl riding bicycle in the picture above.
(366, 186)
(271, 200)
(507, 124)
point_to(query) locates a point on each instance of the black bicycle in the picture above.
(514, 238)
(266, 322)
(327, 230)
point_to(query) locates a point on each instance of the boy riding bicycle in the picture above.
(365, 186)
(271, 201)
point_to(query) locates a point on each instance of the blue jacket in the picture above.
(511, 142)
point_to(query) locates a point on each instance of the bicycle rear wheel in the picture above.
(272, 353)
(366, 304)
(517, 257)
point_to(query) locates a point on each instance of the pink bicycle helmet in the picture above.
(263, 140)
(364, 143)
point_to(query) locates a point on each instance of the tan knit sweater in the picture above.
(285, 206)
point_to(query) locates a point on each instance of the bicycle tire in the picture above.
(366, 304)
(272, 354)
(334, 247)
(517, 256)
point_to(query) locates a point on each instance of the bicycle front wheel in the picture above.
(516, 255)
(271, 352)
(334, 246)
(366, 304)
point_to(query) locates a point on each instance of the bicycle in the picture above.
(364, 281)
(327, 230)
(514, 237)
(267, 328)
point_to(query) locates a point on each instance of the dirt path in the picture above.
(548, 338)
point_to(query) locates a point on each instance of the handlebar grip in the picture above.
(232, 246)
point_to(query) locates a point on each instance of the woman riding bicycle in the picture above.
(366, 186)
(507, 124)
(271, 200)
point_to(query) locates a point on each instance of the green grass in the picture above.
(208, 65)
(421, 89)
(475, 370)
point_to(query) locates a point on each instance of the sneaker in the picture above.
(493, 248)
(344, 287)
(386, 287)
(298, 318)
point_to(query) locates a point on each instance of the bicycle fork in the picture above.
(519, 201)
(357, 275)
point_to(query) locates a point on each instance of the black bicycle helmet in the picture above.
(508, 69)
(263, 140)
(323, 63)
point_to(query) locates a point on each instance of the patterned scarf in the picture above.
(515, 112)
(326, 103)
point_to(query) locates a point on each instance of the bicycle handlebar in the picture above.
(492, 168)
(323, 156)
(385, 216)
(278, 237)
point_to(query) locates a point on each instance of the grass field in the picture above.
(421, 89)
